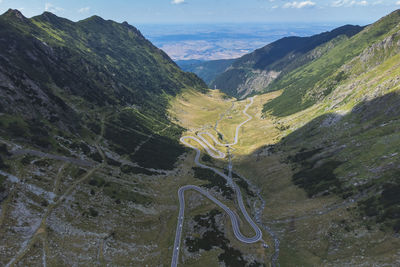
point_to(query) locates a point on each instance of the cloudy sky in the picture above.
(211, 11)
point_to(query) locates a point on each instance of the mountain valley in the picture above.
(92, 118)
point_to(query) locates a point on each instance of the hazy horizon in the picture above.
(222, 41)
(212, 11)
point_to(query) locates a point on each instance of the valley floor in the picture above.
(322, 230)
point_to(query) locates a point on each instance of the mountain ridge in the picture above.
(323, 74)
(247, 73)
(81, 67)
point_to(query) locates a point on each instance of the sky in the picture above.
(211, 11)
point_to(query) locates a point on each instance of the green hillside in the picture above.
(67, 75)
(85, 140)
(206, 70)
(304, 86)
(255, 72)
(342, 113)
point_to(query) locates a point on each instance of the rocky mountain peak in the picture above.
(132, 29)
(15, 13)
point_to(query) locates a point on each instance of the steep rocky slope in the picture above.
(254, 72)
(84, 139)
(59, 74)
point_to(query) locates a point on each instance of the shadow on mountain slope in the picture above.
(351, 154)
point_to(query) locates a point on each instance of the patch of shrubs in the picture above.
(319, 179)
(243, 184)
(27, 159)
(214, 238)
(207, 158)
(125, 140)
(2, 187)
(96, 156)
(113, 162)
(82, 146)
(303, 156)
(384, 207)
(159, 153)
(118, 192)
(16, 129)
(136, 170)
(93, 212)
(214, 181)
(4, 150)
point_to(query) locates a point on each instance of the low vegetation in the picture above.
(212, 237)
(214, 181)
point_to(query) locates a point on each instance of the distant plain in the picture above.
(221, 41)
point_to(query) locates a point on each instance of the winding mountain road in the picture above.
(215, 153)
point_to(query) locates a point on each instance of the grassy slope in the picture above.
(94, 90)
(345, 104)
(280, 56)
(324, 74)
(92, 68)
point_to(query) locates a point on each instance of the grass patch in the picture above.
(2, 180)
(118, 192)
(384, 207)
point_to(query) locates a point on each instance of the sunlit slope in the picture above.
(350, 58)
(255, 72)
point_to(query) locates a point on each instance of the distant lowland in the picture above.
(224, 41)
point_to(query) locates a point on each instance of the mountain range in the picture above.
(92, 117)
(254, 72)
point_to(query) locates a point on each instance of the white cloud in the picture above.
(398, 3)
(349, 3)
(177, 2)
(338, 3)
(296, 4)
(361, 3)
(84, 9)
(52, 8)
